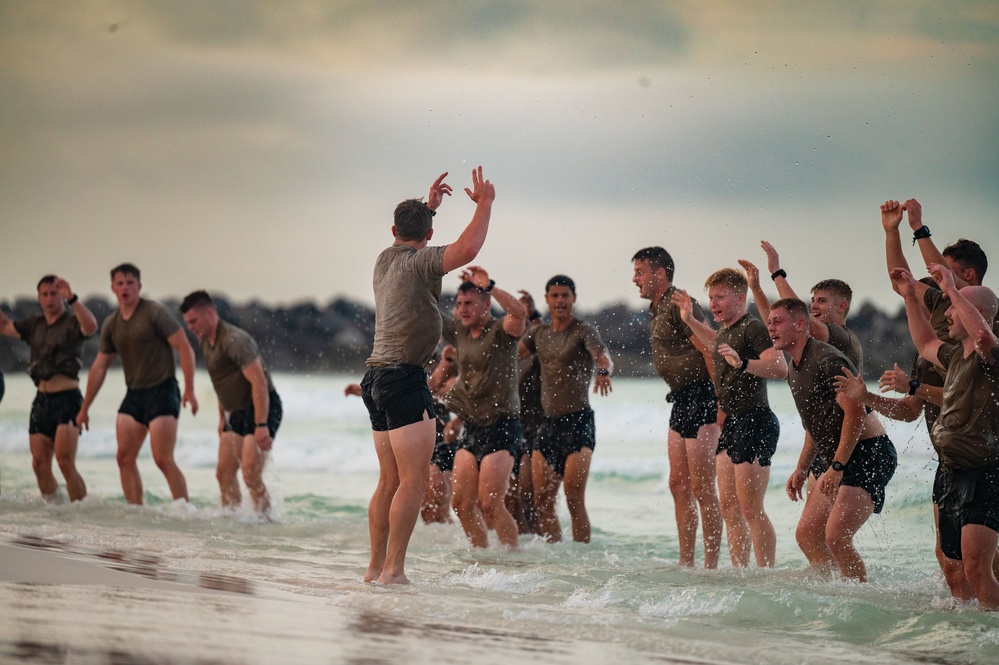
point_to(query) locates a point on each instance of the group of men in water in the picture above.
(518, 389)
(722, 433)
(145, 335)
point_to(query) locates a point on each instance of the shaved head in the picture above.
(984, 300)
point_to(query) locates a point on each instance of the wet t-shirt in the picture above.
(56, 349)
(407, 284)
(811, 382)
(677, 360)
(141, 343)
(740, 391)
(926, 372)
(486, 387)
(234, 351)
(846, 342)
(567, 361)
(966, 433)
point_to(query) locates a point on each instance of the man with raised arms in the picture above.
(249, 407)
(484, 398)
(407, 285)
(857, 457)
(684, 362)
(967, 431)
(56, 339)
(744, 359)
(567, 349)
(145, 334)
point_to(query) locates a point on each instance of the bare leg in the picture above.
(436, 507)
(494, 480)
(162, 440)
(701, 463)
(684, 505)
(811, 530)
(66, 439)
(42, 449)
(751, 487)
(851, 510)
(411, 446)
(546, 485)
(736, 529)
(131, 434)
(466, 498)
(380, 504)
(978, 548)
(254, 460)
(228, 466)
(577, 471)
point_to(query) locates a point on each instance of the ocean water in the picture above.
(291, 590)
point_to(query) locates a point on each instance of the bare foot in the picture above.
(371, 575)
(393, 579)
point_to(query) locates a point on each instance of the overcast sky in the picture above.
(257, 149)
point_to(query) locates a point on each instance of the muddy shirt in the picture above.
(234, 350)
(486, 388)
(407, 285)
(141, 343)
(567, 361)
(811, 382)
(55, 349)
(966, 433)
(677, 360)
(740, 391)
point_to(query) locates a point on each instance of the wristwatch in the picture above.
(914, 386)
(259, 425)
(838, 466)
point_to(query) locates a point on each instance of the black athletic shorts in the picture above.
(443, 457)
(504, 434)
(694, 406)
(561, 436)
(244, 423)
(396, 396)
(147, 404)
(938, 484)
(49, 410)
(750, 436)
(871, 466)
(970, 496)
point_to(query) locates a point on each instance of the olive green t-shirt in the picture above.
(926, 372)
(407, 285)
(811, 382)
(677, 360)
(486, 388)
(55, 349)
(966, 433)
(740, 391)
(234, 350)
(846, 342)
(141, 343)
(567, 361)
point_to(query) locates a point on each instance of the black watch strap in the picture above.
(914, 386)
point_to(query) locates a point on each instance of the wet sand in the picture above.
(63, 605)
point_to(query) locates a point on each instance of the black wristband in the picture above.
(745, 364)
(433, 213)
(72, 301)
(259, 425)
(914, 386)
(535, 315)
(779, 273)
(920, 233)
(603, 371)
(489, 288)
(837, 466)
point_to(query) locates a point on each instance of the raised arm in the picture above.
(759, 297)
(920, 329)
(178, 340)
(515, 321)
(86, 318)
(701, 330)
(7, 328)
(927, 248)
(467, 246)
(979, 330)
